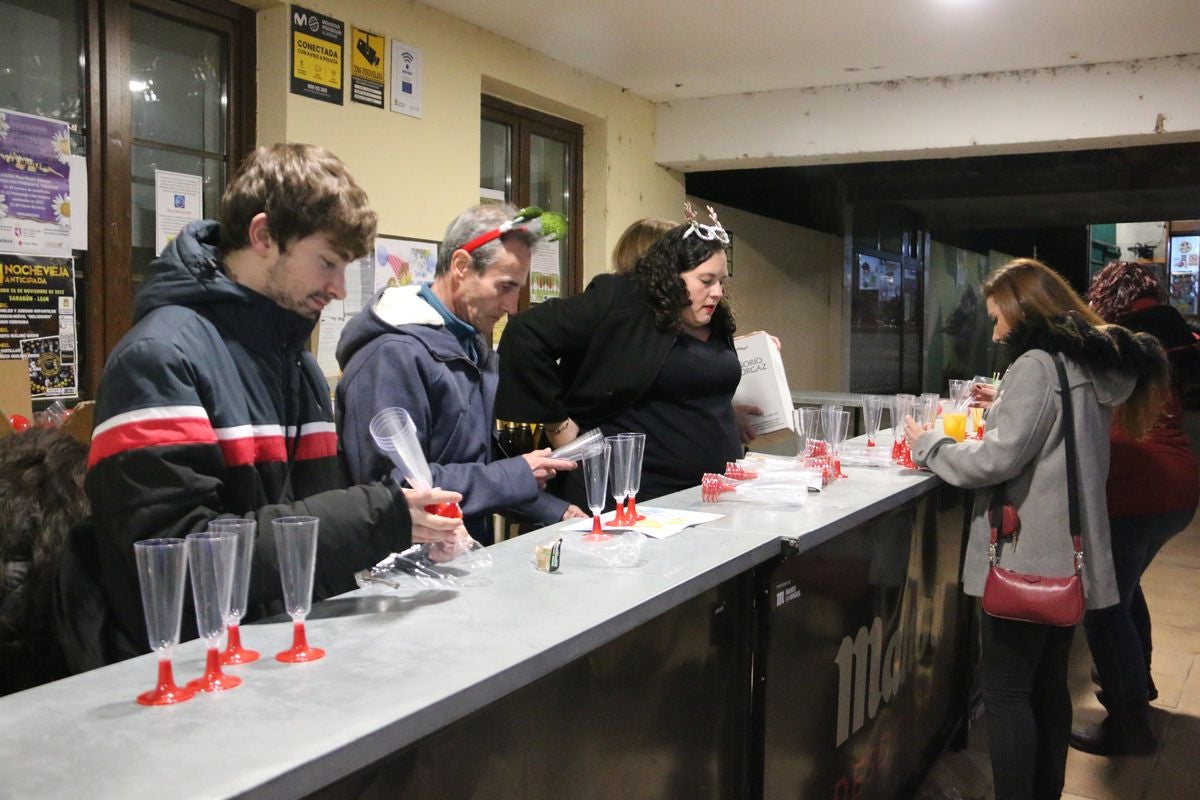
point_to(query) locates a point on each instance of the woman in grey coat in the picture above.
(1023, 669)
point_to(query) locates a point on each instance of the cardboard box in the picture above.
(764, 383)
(14, 389)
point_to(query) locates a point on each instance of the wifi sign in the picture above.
(407, 76)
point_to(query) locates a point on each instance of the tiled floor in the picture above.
(1172, 588)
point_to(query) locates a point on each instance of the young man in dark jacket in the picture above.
(427, 349)
(211, 405)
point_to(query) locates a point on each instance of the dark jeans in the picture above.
(1119, 636)
(1023, 675)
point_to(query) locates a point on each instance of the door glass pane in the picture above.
(145, 161)
(549, 167)
(44, 75)
(177, 82)
(548, 174)
(495, 157)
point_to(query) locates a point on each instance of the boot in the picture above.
(1124, 732)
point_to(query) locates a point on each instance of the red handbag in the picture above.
(1037, 598)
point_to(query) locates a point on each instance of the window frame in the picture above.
(526, 122)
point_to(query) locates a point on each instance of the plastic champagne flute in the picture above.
(838, 424)
(595, 481)
(162, 567)
(211, 557)
(872, 414)
(243, 556)
(931, 411)
(635, 475)
(296, 542)
(808, 426)
(620, 451)
(395, 434)
(902, 406)
(977, 411)
(827, 413)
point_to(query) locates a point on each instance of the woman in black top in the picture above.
(649, 351)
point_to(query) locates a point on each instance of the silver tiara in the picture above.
(702, 231)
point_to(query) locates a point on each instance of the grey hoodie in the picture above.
(1024, 447)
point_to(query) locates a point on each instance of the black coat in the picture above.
(587, 357)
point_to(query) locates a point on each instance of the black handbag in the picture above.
(1037, 598)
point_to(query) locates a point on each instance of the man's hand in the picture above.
(428, 527)
(574, 512)
(742, 414)
(545, 468)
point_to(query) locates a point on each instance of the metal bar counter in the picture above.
(403, 669)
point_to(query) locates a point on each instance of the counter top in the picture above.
(399, 666)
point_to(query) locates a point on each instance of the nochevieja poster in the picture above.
(37, 321)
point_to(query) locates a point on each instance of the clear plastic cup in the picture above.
(808, 424)
(296, 543)
(872, 405)
(395, 433)
(244, 530)
(595, 482)
(211, 557)
(582, 446)
(954, 423)
(620, 454)
(162, 567)
(838, 423)
(635, 475)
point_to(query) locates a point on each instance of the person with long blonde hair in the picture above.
(1039, 319)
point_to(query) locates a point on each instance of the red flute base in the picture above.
(166, 692)
(299, 652)
(213, 680)
(234, 652)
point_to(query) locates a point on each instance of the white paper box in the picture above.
(764, 383)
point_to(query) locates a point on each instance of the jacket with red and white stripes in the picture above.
(211, 406)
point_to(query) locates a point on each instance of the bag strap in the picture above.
(1072, 461)
(1000, 497)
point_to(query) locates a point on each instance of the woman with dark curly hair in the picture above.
(649, 351)
(41, 498)
(1153, 489)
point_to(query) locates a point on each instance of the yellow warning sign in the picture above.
(317, 61)
(367, 55)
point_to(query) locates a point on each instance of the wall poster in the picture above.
(407, 77)
(35, 185)
(399, 262)
(1184, 263)
(317, 42)
(37, 321)
(368, 67)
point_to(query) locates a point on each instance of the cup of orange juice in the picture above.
(954, 423)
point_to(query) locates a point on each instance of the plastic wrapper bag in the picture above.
(618, 548)
(429, 566)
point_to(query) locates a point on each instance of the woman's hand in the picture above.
(427, 527)
(742, 414)
(912, 431)
(569, 432)
(983, 395)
